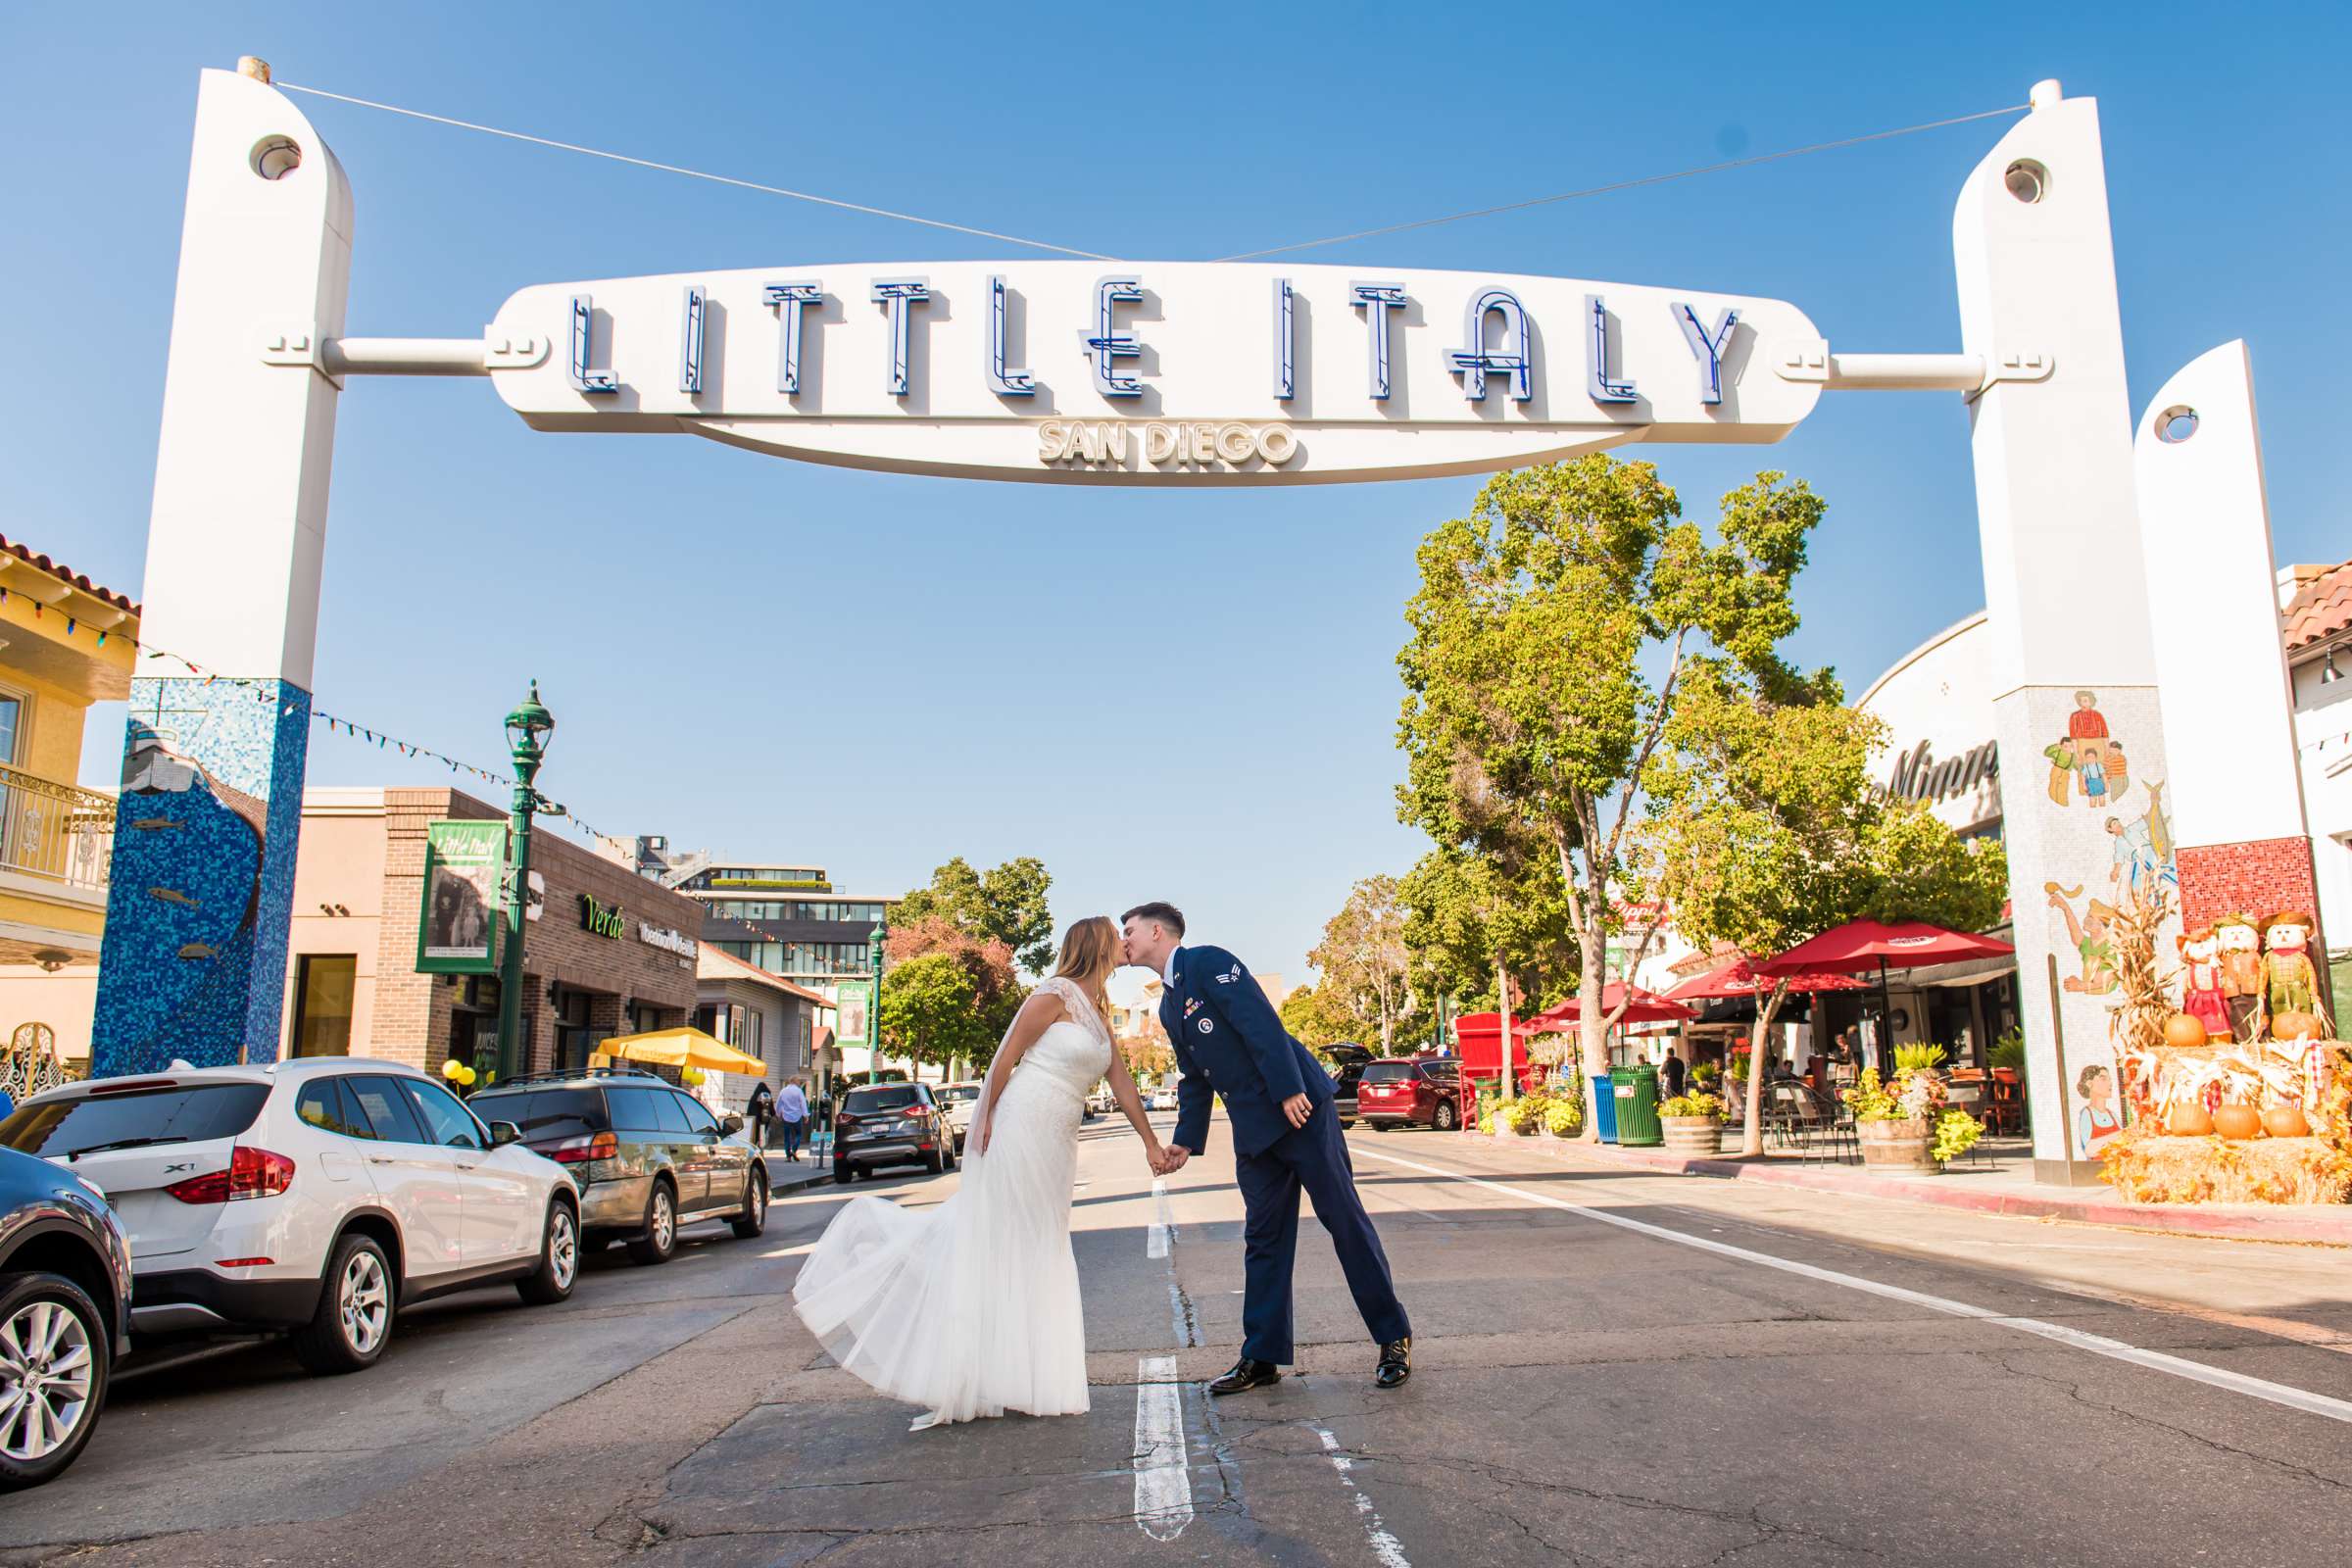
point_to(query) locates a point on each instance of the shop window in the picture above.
(323, 1002)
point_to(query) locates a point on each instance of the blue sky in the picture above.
(1183, 696)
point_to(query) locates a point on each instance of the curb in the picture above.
(783, 1176)
(2306, 1224)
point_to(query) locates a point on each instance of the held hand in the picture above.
(1297, 1109)
(1172, 1159)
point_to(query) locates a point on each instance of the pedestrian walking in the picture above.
(792, 1115)
(759, 1113)
(1670, 1075)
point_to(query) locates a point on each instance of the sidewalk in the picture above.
(784, 1176)
(2002, 1182)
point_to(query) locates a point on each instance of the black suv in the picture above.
(65, 1314)
(891, 1124)
(646, 1156)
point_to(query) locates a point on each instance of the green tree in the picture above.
(1314, 1020)
(994, 992)
(1492, 926)
(1762, 829)
(941, 1009)
(1363, 960)
(1007, 905)
(1549, 640)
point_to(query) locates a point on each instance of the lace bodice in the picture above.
(1075, 1048)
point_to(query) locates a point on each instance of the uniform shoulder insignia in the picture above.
(1230, 975)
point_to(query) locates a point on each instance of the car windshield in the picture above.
(1386, 1072)
(879, 1097)
(167, 1113)
(957, 1094)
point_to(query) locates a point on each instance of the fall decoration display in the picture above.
(2146, 1167)
(2237, 1122)
(2286, 1121)
(2184, 1031)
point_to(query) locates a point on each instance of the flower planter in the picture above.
(1896, 1145)
(1692, 1135)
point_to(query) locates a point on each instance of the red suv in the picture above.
(1412, 1091)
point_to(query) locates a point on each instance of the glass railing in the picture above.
(54, 831)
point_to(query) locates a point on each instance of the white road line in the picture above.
(2294, 1398)
(1163, 1484)
(1385, 1546)
(1155, 1239)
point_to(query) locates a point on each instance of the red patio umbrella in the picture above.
(1738, 978)
(1647, 1007)
(1858, 946)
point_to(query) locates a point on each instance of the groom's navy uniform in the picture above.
(1229, 1040)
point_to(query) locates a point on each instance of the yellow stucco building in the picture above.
(65, 643)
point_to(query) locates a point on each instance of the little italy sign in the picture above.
(1150, 373)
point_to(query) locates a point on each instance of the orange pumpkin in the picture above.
(2184, 1031)
(2296, 1026)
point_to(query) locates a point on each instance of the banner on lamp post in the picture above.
(464, 864)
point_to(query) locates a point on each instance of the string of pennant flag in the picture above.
(335, 724)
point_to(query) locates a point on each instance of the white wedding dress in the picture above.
(971, 1308)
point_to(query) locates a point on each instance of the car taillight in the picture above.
(578, 1151)
(844, 1122)
(251, 1173)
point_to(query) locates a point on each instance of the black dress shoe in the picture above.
(1396, 1363)
(1246, 1375)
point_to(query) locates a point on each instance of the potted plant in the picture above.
(1692, 1123)
(1563, 1117)
(1525, 1114)
(1895, 1122)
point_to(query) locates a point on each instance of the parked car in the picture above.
(64, 1316)
(316, 1197)
(891, 1124)
(960, 1100)
(1348, 1065)
(1410, 1092)
(1100, 1103)
(648, 1157)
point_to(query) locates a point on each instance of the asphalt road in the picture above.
(1614, 1367)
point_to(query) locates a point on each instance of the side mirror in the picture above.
(503, 1133)
(730, 1124)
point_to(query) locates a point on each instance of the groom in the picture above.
(1286, 1137)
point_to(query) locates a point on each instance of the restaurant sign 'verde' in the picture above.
(1185, 373)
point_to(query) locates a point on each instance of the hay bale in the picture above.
(2144, 1165)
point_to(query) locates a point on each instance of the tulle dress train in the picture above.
(972, 1308)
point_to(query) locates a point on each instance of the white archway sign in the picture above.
(1083, 372)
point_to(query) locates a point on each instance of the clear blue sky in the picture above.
(793, 662)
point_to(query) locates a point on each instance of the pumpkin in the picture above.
(2292, 1025)
(2184, 1031)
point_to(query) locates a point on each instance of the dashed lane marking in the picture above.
(1163, 1483)
(1155, 1239)
(2292, 1397)
(1386, 1548)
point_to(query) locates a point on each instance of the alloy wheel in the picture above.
(665, 1220)
(46, 1370)
(758, 1202)
(562, 1247)
(364, 1301)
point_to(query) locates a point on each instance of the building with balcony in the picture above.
(65, 643)
(786, 918)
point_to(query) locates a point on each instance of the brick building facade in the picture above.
(352, 986)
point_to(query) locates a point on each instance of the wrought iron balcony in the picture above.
(54, 831)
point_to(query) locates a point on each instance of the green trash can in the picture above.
(1636, 1091)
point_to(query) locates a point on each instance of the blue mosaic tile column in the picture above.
(194, 965)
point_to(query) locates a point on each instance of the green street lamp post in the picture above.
(527, 730)
(873, 1003)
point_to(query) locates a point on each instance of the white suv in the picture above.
(317, 1197)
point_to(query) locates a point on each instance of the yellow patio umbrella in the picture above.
(680, 1048)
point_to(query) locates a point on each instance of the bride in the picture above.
(971, 1309)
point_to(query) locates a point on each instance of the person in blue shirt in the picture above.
(1230, 1044)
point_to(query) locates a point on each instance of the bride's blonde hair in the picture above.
(1089, 951)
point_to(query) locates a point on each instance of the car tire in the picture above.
(1445, 1118)
(844, 1172)
(754, 1218)
(357, 1302)
(953, 1152)
(935, 1161)
(80, 1356)
(558, 1260)
(659, 1243)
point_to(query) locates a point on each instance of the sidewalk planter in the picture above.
(1692, 1135)
(1896, 1145)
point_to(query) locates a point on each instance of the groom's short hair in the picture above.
(1166, 915)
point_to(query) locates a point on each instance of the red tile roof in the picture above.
(2322, 607)
(66, 574)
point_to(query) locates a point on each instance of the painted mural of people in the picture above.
(2085, 722)
(2136, 871)
(2290, 983)
(2201, 995)
(2096, 1122)
(2119, 770)
(2088, 932)
(2241, 972)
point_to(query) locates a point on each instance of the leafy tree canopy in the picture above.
(1007, 903)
